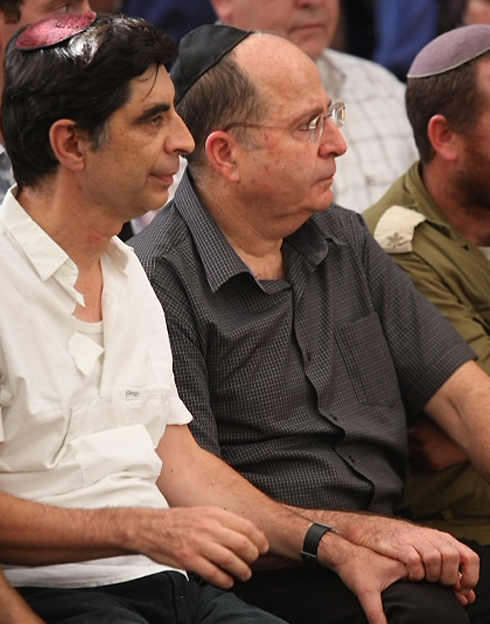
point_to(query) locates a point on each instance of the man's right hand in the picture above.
(366, 573)
(218, 545)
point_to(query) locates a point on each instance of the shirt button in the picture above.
(66, 270)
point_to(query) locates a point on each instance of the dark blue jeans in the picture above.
(167, 598)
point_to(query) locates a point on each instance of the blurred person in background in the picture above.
(176, 17)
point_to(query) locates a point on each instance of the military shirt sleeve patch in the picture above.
(396, 228)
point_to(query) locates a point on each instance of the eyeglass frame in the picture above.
(315, 127)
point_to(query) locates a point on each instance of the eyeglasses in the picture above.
(312, 130)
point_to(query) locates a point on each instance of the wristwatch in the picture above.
(312, 538)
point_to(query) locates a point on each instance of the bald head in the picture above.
(257, 74)
(276, 66)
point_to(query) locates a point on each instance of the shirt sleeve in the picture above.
(190, 369)
(462, 315)
(426, 349)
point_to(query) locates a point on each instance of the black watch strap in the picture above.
(312, 538)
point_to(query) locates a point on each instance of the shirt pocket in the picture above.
(367, 359)
(124, 452)
(116, 434)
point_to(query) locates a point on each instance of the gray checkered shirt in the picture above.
(304, 385)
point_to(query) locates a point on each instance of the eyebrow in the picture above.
(314, 112)
(151, 112)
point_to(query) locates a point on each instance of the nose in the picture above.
(332, 141)
(180, 140)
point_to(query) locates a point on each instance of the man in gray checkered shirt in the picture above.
(299, 347)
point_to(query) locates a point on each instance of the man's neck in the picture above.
(260, 253)
(61, 218)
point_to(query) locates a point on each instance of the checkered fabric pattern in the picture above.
(303, 385)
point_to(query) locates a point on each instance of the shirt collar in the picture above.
(220, 260)
(46, 256)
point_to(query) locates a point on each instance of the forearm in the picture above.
(201, 478)
(351, 525)
(460, 407)
(33, 533)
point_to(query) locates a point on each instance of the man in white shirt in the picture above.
(377, 131)
(106, 497)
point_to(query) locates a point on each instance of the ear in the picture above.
(221, 150)
(223, 9)
(69, 144)
(444, 140)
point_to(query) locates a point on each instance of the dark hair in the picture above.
(11, 10)
(85, 79)
(223, 95)
(454, 94)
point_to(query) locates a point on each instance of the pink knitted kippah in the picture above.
(53, 30)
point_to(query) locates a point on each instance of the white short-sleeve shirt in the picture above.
(80, 421)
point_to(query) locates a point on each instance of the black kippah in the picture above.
(200, 50)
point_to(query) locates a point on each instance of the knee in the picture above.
(422, 603)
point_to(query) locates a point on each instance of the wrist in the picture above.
(314, 535)
(334, 550)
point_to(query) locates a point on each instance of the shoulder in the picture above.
(394, 227)
(394, 219)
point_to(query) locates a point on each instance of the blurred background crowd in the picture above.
(389, 32)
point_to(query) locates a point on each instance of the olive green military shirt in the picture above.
(455, 276)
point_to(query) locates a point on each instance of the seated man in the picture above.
(94, 442)
(380, 142)
(435, 222)
(298, 344)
